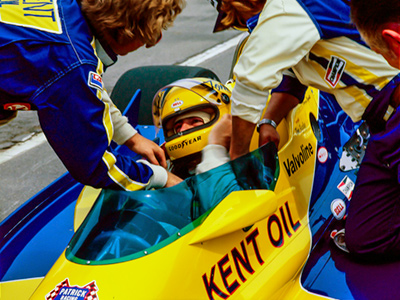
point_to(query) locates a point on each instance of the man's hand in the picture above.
(268, 134)
(222, 132)
(148, 149)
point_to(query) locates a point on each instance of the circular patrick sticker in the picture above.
(322, 155)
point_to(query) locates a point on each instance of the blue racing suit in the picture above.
(50, 63)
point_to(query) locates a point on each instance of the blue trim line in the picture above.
(312, 18)
(346, 78)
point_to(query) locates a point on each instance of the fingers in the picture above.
(226, 118)
(268, 134)
(147, 149)
(155, 155)
(160, 156)
(151, 158)
(222, 132)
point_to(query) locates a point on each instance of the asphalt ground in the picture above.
(27, 162)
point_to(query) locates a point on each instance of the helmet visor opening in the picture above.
(189, 120)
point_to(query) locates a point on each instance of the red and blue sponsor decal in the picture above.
(335, 70)
(63, 291)
(95, 81)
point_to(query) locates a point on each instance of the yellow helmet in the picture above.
(202, 97)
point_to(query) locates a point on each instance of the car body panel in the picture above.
(205, 263)
(277, 247)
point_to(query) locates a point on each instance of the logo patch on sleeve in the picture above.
(335, 70)
(95, 81)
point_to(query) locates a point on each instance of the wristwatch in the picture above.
(265, 121)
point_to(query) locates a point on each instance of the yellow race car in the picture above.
(271, 235)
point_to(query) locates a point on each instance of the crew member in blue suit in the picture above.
(299, 43)
(52, 56)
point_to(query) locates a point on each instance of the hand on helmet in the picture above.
(222, 132)
(148, 149)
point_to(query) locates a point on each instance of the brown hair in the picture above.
(370, 15)
(238, 12)
(123, 20)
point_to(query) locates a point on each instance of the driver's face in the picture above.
(187, 123)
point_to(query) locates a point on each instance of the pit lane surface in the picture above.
(30, 164)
